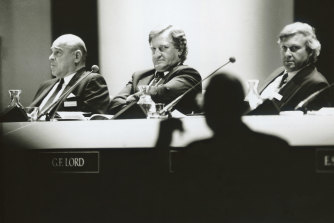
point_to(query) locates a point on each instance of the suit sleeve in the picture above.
(119, 100)
(181, 82)
(96, 96)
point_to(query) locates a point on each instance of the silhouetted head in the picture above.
(224, 102)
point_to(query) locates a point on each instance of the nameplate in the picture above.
(325, 160)
(277, 96)
(71, 162)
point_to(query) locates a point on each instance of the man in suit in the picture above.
(298, 78)
(67, 60)
(169, 78)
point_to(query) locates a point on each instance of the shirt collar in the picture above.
(68, 78)
(292, 73)
(165, 73)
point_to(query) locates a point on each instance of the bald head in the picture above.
(73, 42)
(68, 55)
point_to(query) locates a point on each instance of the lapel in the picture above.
(143, 79)
(147, 78)
(173, 71)
(292, 87)
(44, 92)
(271, 78)
(74, 79)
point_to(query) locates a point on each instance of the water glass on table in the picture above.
(32, 113)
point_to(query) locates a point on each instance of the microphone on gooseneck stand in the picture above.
(172, 104)
(317, 100)
(51, 110)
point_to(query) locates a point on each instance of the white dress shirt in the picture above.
(271, 91)
(67, 79)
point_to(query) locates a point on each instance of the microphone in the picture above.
(57, 103)
(94, 69)
(172, 104)
(302, 106)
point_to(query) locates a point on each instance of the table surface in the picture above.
(302, 130)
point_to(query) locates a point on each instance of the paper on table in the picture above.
(72, 115)
(322, 111)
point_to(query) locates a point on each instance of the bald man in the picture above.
(67, 61)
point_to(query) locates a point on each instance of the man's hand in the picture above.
(133, 97)
(167, 127)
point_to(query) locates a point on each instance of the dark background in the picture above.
(319, 14)
(79, 18)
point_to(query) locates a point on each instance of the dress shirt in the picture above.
(271, 91)
(67, 79)
(156, 84)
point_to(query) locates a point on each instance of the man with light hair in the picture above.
(298, 78)
(67, 62)
(169, 78)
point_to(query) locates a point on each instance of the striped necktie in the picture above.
(53, 96)
(284, 80)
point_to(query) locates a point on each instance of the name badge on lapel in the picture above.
(278, 96)
(70, 103)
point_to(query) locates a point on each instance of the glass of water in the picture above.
(32, 113)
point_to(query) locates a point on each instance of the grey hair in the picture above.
(178, 37)
(312, 43)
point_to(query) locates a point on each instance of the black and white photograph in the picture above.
(179, 111)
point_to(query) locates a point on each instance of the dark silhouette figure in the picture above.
(238, 175)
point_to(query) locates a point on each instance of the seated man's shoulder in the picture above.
(95, 75)
(186, 69)
(318, 77)
(144, 72)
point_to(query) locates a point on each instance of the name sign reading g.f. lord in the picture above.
(325, 160)
(71, 162)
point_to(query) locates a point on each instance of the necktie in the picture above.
(157, 78)
(51, 99)
(284, 80)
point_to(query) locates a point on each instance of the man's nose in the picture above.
(288, 52)
(51, 57)
(157, 53)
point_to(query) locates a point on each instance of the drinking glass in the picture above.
(32, 113)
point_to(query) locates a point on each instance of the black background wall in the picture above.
(79, 18)
(319, 14)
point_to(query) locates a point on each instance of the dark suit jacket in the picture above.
(304, 83)
(176, 82)
(91, 94)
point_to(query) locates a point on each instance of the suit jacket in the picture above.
(176, 82)
(304, 83)
(90, 95)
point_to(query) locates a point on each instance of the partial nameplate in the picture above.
(324, 160)
(71, 162)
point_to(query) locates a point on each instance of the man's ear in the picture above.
(78, 56)
(180, 53)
